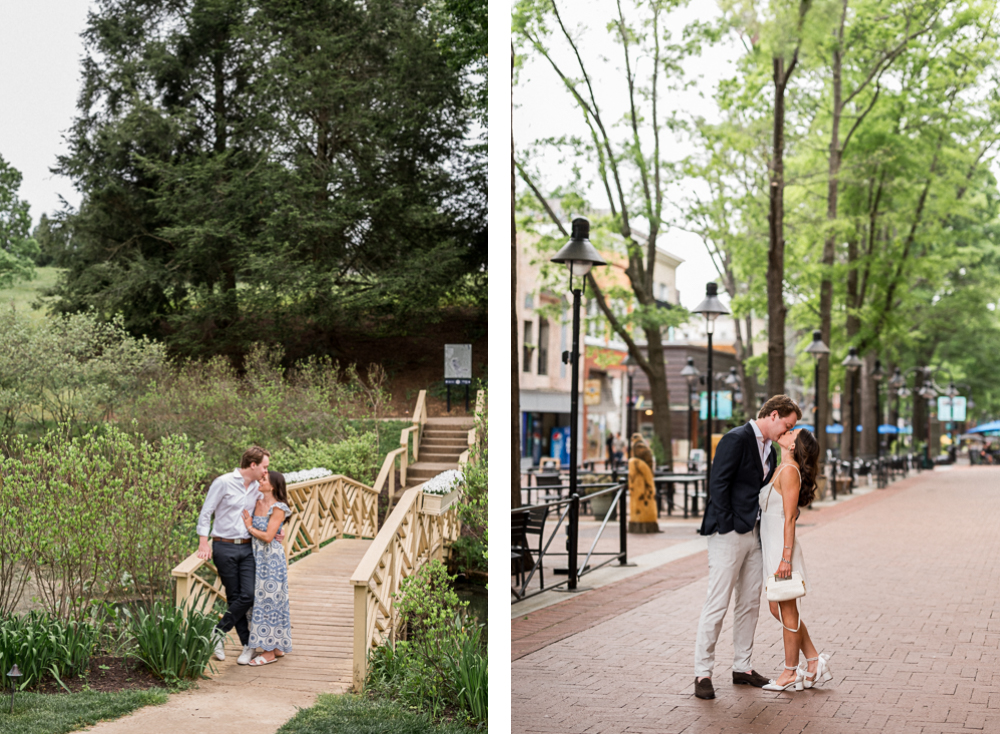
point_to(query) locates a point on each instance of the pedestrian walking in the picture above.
(744, 462)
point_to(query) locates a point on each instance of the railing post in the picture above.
(573, 531)
(623, 527)
(833, 484)
(360, 637)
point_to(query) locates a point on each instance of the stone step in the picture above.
(439, 433)
(440, 456)
(438, 441)
(424, 470)
(465, 423)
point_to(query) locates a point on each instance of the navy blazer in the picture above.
(737, 478)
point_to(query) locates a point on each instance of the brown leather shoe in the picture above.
(753, 678)
(703, 688)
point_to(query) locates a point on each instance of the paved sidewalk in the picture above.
(904, 587)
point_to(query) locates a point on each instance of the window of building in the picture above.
(543, 346)
(529, 300)
(529, 345)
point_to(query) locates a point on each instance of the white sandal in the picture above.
(261, 660)
(822, 673)
(797, 682)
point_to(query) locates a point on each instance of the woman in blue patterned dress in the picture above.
(270, 627)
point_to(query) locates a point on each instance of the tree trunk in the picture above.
(776, 249)
(744, 350)
(515, 371)
(869, 414)
(659, 391)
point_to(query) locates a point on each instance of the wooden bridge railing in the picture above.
(322, 509)
(408, 539)
(387, 474)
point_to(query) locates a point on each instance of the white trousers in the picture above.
(734, 564)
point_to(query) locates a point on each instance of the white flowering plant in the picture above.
(306, 475)
(443, 483)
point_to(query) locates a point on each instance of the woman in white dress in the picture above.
(792, 487)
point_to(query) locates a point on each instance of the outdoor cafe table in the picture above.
(669, 479)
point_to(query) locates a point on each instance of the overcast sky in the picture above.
(40, 52)
(543, 108)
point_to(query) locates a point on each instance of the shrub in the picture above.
(212, 403)
(174, 642)
(442, 664)
(474, 507)
(102, 516)
(74, 370)
(356, 456)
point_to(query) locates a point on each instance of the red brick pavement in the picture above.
(904, 587)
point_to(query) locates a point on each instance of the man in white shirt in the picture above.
(230, 548)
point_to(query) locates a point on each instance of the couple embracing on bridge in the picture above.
(249, 506)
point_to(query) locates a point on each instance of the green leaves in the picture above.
(17, 249)
(174, 642)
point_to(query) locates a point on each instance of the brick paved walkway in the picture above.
(916, 652)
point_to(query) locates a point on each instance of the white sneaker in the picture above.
(246, 656)
(220, 646)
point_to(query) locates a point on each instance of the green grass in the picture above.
(349, 714)
(24, 293)
(39, 713)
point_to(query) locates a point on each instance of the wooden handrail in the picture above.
(408, 539)
(387, 474)
(322, 510)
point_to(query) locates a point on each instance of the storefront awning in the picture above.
(539, 401)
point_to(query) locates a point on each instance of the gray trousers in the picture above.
(734, 564)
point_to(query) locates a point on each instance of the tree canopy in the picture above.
(274, 165)
(17, 248)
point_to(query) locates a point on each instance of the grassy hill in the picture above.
(22, 295)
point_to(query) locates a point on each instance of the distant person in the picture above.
(609, 443)
(619, 445)
(743, 464)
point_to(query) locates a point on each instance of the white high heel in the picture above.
(797, 683)
(822, 673)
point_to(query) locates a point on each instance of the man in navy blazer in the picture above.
(744, 463)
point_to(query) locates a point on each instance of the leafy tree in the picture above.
(17, 248)
(629, 169)
(274, 162)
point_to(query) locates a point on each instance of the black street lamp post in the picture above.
(579, 256)
(711, 308)
(691, 374)
(852, 363)
(877, 374)
(818, 350)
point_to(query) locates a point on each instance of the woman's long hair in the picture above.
(806, 455)
(277, 480)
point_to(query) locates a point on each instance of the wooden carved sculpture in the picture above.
(641, 490)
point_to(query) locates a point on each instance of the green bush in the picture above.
(174, 642)
(227, 411)
(356, 456)
(473, 510)
(97, 517)
(73, 370)
(42, 645)
(469, 553)
(441, 665)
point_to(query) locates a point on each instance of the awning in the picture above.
(986, 427)
(539, 401)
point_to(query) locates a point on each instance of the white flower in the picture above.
(293, 477)
(443, 483)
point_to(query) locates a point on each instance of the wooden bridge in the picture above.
(342, 574)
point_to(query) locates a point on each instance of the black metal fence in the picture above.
(527, 561)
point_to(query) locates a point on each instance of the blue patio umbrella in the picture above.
(835, 428)
(990, 427)
(887, 428)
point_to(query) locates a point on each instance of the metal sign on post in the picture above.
(458, 369)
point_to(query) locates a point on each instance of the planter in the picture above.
(600, 506)
(437, 504)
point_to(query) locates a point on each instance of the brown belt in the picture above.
(237, 541)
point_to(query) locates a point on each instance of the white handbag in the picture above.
(785, 589)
